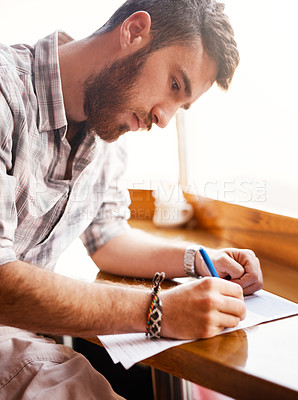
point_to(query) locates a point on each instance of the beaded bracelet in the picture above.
(153, 326)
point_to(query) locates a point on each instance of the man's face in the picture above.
(145, 88)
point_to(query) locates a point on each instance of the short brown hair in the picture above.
(182, 21)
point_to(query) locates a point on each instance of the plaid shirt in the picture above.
(41, 213)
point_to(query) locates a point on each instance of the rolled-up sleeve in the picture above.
(111, 219)
(8, 214)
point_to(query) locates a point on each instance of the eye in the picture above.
(175, 84)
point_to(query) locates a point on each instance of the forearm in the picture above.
(139, 254)
(39, 300)
(42, 301)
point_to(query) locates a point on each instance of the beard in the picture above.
(111, 93)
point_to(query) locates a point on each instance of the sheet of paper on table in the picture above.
(131, 348)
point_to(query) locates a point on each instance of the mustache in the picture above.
(146, 118)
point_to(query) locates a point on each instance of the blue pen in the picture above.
(208, 262)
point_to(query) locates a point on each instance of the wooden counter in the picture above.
(260, 362)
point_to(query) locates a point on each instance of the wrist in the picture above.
(153, 325)
(190, 254)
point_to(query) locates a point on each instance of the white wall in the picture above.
(244, 142)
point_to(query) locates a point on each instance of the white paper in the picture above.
(131, 348)
(263, 306)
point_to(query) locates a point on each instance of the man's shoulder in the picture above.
(5, 57)
(14, 64)
(16, 59)
(6, 72)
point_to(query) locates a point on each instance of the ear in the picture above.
(135, 30)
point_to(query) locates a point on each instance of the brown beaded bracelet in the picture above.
(153, 326)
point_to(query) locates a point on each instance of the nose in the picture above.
(162, 115)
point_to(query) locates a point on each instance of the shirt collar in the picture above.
(48, 82)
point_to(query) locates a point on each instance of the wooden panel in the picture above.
(142, 204)
(279, 278)
(269, 235)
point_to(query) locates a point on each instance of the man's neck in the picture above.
(73, 134)
(78, 61)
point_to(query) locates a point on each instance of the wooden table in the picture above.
(260, 362)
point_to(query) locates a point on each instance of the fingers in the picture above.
(221, 321)
(251, 288)
(202, 308)
(232, 307)
(252, 279)
(226, 299)
(226, 288)
(226, 265)
(241, 266)
(228, 321)
(221, 312)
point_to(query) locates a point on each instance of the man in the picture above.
(62, 104)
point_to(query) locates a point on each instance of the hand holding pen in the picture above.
(238, 265)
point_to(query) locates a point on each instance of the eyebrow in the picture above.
(186, 81)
